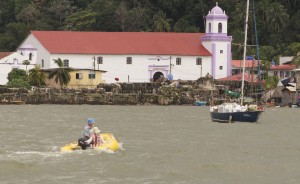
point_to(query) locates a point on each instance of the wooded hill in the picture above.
(278, 21)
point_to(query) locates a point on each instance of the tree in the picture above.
(139, 20)
(36, 77)
(265, 67)
(26, 62)
(17, 78)
(267, 53)
(18, 30)
(16, 73)
(18, 83)
(60, 9)
(182, 25)
(29, 14)
(7, 43)
(296, 60)
(12, 37)
(277, 18)
(6, 13)
(161, 23)
(61, 74)
(105, 12)
(80, 21)
(121, 15)
(271, 82)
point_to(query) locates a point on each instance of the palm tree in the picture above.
(161, 23)
(277, 17)
(296, 61)
(26, 62)
(36, 76)
(262, 8)
(271, 82)
(61, 74)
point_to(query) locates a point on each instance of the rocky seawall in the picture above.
(162, 93)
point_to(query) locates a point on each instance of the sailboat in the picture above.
(232, 112)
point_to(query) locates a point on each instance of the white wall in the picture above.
(14, 60)
(188, 70)
(138, 71)
(41, 52)
(4, 70)
(221, 60)
(215, 26)
(116, 66)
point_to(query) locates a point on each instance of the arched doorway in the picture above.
(157, 76)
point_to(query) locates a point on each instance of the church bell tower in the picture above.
(218, 42)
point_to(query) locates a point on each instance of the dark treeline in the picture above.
(278, 21)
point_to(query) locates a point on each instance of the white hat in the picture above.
(96, 130)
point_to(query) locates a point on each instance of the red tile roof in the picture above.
(238, 77)
(152, 43)
(248, 63)
(4, 54)
(283, 67)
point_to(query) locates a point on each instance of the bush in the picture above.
(18, 83)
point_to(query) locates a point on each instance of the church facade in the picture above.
(137, 56)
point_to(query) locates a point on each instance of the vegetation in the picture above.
(61, 74)
(296, 60)
(278, 22)
(271, 82)
(36, 77)
(17, 78)
(26, 63)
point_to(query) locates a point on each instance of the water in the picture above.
(161, 144)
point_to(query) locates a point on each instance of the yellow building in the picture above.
(80, 78)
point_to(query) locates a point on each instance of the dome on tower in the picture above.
(217, 10)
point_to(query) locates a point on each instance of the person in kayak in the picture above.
(87, 133)
(95, 139)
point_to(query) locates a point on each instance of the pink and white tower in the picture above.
(218, 42)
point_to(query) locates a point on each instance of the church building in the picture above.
(137, 56)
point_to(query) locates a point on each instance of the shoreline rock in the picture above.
(154, 93)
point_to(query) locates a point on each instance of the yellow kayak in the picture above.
(110, 143)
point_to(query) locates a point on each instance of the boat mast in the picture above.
(244, 56)
(257, 51)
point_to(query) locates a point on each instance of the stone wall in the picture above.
(157, 93)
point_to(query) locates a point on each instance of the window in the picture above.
(66, 63)
(281, 74)
(220, 28)
(178, 61)
(99, 60)
(198, 61)
(92, 76)
(209, 27)
(221, 67)
(221, 51)
(43, 63)
(79, 76)
(129, 60)
(30, 56)
(293, 73)
(287, 74)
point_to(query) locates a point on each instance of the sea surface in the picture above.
(160, 145)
